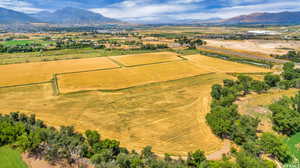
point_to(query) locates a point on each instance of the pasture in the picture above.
(147, 58)
(121, 78)
(162, 104)
(19, 74)
(170, 116)
(10, 158)
(222, 66)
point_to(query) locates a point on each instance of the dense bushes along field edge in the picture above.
(226, 122)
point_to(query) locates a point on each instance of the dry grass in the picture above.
(260, 100)
(17, 74)
(222, 66)
(255, 105)
(266, 47)
(127, 77)
(148, 58)
(170, 116)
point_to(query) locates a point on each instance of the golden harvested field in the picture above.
(17, 74)
(127, 77)
(170, 116)
(148, 58)
(163, 105)
(223, 66)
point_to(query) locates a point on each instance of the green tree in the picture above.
(92, 137)
(274, 145)
(259, 86)
(195, 159)
(272, 80)
(245, 81)
(216, 92)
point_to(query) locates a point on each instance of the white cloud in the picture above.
(20, 6)
(229, 12)
(186, 1)
(129, 9)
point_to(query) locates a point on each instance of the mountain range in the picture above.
(72, 16)
(66, 16)
(75, 16)
(265, 18)
(8, 16)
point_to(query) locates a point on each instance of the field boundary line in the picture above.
(27, 84)
(92, 70)
(154, 63)
(247, 73)
(116, 62)
(55, 87)
(137, 86)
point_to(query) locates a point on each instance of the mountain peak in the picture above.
(73, 16)
(8, 16)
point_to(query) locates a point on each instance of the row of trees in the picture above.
(21, 48)
(286, 115)
(291, 55)
(190, 43)
(65, 146)
(226, 122)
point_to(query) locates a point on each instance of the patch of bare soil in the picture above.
(36, 162)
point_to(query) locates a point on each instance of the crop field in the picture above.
(170, 116)
(18, 74)
(148, 58)
(156, 99)
(10, 158)
(222, 66)
(127, 77)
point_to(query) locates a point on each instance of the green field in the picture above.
(25, 42)
(10, 158)
(294, 145)
(18, 42)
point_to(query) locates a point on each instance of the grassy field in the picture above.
(148, 58)
(10, 158)
(170, 116)
(294, 145)
(17, 74)
(127, 77)
(162, 105)
(25, 42)
(222, 66)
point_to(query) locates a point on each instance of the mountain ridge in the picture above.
(70, 15)
(8, 16)
(265, 18)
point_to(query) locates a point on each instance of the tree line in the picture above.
(226, 122)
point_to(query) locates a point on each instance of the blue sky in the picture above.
(158, 10)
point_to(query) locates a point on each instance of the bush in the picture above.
(272, 80)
